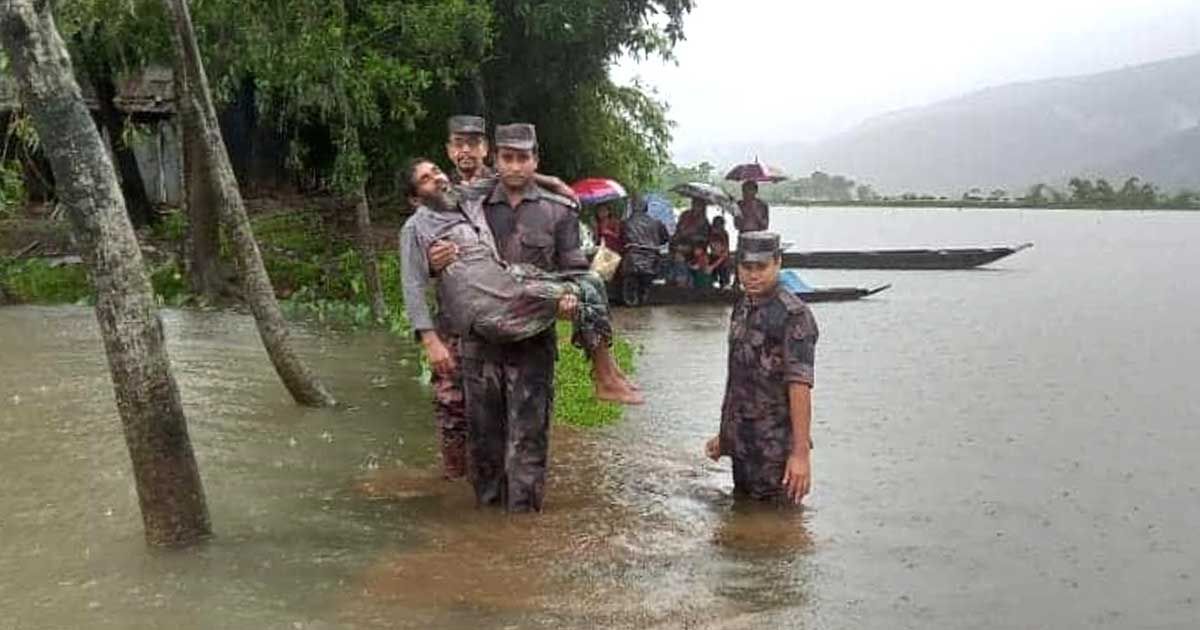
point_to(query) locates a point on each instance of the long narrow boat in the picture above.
(661, 295)
(899, 258)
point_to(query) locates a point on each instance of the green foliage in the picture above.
(624, 135)
(172, 228)
(549, 66)
(1133, 194)
(37, 281)
(353, 67)
(169, 284)
(574, 400)
(12, 189)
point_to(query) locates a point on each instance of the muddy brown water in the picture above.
(1011, 447)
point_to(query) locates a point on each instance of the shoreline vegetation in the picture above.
(823, 190)
(313, 265)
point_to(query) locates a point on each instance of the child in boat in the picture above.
(480, 294)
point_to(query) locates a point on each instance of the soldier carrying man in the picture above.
(467, 148)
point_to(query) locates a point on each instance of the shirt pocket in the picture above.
(537, 248)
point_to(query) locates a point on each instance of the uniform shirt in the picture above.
(466, 227)
(484, 174)
(772, 340)
(756, 216)
(543, 230)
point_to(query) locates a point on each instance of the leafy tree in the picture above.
(1082, 190)
(549, 66)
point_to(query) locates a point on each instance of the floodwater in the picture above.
(1009, 447)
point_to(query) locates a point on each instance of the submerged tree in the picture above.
(168, 483)
(304, 387)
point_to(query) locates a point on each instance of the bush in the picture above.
(37, 281)
(12, 189)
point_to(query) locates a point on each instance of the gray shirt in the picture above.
(464, 226)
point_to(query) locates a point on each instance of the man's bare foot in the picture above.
(619, 394)
(624, 380)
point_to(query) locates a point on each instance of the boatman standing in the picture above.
(767, 411)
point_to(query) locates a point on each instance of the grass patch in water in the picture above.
(36, 281)
(574, 400)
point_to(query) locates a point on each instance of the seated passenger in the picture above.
(718, 253)
(677, 272)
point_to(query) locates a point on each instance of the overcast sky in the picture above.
(783, 70)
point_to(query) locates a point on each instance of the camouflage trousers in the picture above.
(509, 393)
(759, 478)
(449, 412)
(534, 311)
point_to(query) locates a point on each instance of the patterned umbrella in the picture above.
(708, 193)
(755, 172)
(596, 190)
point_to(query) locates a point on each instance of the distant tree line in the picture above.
(1134, 193)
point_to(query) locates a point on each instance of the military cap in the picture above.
(521, 136)
(466, 124)
(757, 246)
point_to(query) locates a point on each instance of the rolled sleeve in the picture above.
(414, 264)
(799, 348)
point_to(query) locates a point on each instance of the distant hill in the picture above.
(1142, 120)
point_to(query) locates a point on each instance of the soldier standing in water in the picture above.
(767, 411)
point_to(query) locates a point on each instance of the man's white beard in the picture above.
(443, 201)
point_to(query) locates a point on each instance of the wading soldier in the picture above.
(467, 148)
(510, 387)
(767, 410)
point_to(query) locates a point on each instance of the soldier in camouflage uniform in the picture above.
(467, 148)
(767, 410)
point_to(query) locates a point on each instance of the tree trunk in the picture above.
(366, 249)
(200, 199)
(133, 186)
(299, 381)
(164, 467)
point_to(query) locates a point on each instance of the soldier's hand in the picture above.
(441, 254)
(712, 448)
(797, 477)
(567, 305)
(440, 357)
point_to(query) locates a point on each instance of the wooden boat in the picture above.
(662, 295)
(899, 258)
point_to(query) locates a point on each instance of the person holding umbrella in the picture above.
(755, 215)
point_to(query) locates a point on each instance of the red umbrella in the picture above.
(755, 172)
(596, 190)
